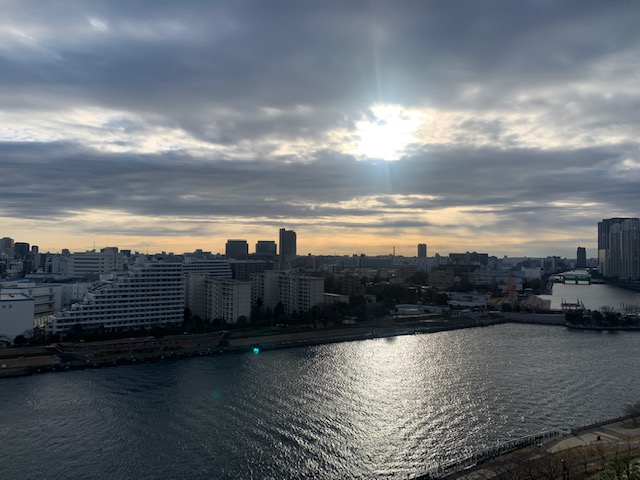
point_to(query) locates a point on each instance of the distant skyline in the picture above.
(502, 127)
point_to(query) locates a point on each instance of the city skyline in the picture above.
(495, 127)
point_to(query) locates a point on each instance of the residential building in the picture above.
(616, 246)
(150, 294)
(227, 299)
(195, 292)
(217, 267)
(297, 293)
(622, 259)
(197, 271)
(244, 269)
(107, 260)
(422, 250)
(467, 258)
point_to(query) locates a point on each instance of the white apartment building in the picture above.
(150, 294)
(228, 299)
(218, 268)
(298, 293)
(92, 263)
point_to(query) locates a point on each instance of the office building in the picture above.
(581, 258)
(236, 249)
(287, 246)
(6, 248)
(422, 250)
(266, 248)
(20, 250)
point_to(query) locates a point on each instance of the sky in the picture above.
(498, 126)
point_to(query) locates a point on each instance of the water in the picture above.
(384, 408)
(594, 296)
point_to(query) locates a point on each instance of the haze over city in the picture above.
(503, 127)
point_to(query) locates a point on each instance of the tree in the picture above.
(20, 340)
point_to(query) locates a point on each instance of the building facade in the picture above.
(107, 260)
(236, 249)
(150, 294)
(619, 248)
(16, 314)
(297, 293)
(288, 247)
(581, 257)
(228, 299)
(267, 248)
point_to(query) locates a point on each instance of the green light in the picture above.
(256, 350)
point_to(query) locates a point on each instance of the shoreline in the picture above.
(66, 356)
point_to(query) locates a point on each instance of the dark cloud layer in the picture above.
(249, 107)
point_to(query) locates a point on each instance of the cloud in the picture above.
(523, 116)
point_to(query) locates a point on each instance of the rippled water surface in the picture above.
(369, 409)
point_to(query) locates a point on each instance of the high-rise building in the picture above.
(422, 250)
(6, 248)
(150, 294)
(287, 246)
(619, 247)
(236, 249)
(623, 255)
(227, 299)
(297, 293)
(266, 248)
(20, 250)
(581, 258)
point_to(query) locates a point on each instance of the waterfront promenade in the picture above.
(577, 453)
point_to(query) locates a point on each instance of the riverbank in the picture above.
(80, 355)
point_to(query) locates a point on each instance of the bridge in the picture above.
(577, 278)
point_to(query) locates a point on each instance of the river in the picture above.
(593, 296)
(380, 408)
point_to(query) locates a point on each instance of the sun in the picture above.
(386, 132)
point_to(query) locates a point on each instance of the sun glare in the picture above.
(386, 132)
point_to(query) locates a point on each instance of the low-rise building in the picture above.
(16, 314)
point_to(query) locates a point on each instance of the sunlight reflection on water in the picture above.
(363, 409)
